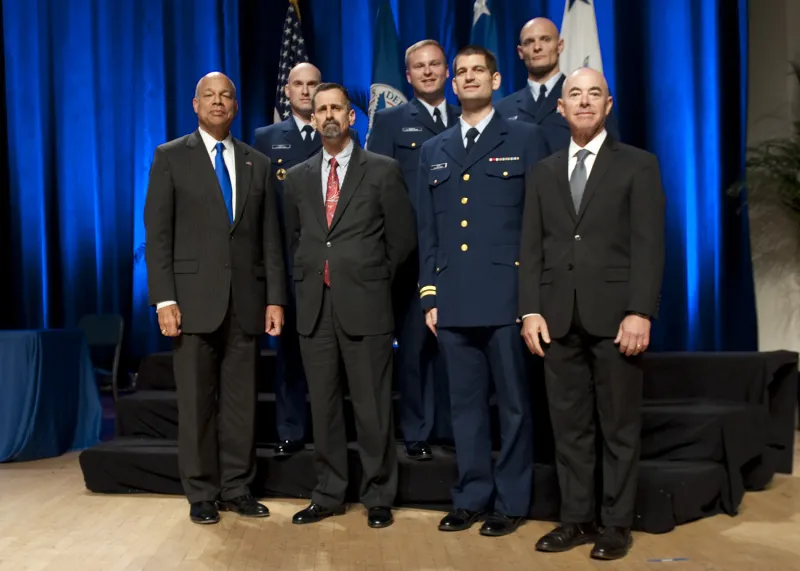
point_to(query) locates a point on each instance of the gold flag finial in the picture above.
(296, 4)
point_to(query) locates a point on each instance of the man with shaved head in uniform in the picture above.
(539, 48)
(591, 264)
(289, 143)
(216, 276)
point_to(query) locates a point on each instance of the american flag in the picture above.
(293, 51)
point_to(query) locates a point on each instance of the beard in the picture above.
(331, 130)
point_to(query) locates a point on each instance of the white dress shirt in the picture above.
(300, 124)
(342, 161)
(536, 87)
(442, 107)
(593, 147)
(480, 127)
(210, 143)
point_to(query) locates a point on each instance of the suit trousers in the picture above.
(476, 358)
(367, 362)
(215, 375)
(591, 385)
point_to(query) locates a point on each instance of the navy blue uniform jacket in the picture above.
(469, 213)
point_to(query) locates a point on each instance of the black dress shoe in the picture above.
(497, 525)
(567, 536)
(418, 451)
(460, 519)
(204, 512)
(315, 513)
(613, 543)
(379, 516)
(288, 447)
(246, 506)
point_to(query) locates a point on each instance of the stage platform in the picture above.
(713, 426)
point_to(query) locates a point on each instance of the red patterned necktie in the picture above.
(331, 200)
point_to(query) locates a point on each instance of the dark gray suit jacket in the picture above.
(194, 255)
(371, 234)
(609, 256)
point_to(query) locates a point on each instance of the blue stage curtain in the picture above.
(93, 86)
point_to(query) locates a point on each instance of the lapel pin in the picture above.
(249, 164)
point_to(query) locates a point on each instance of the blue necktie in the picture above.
(224, 181)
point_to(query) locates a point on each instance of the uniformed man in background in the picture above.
(399, 132)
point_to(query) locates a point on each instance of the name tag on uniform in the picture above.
(438, 167)
(284, 146)
(502, 159)
(412, 130)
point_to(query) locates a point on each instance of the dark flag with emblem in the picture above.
(293, 51)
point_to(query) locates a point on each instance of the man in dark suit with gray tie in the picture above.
(216, 276)
(399, 132)
(287, 144)
(591, 263)
(349, 226)
(539, 48)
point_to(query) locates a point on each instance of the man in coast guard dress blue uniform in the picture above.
(470, 203)
(289, 143)
(399, 132)
(539, 48)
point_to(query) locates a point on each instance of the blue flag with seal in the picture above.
(388, 77)
(484, 33)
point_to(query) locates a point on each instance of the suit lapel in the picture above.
(355, 172)
(550, 104)
(244, 174)
(418, 112)
(206, 173)
(314, 188)
(562, 182)
(526, 103)
(491, 138)
(604, 159)
(454, 145)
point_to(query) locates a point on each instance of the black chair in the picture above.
(104, 335)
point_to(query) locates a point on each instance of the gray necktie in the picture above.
(577, 182)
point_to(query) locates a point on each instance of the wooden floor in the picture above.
(49, 521)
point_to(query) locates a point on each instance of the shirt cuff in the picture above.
(165, 304)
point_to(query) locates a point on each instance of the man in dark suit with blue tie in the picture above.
(216, 276)
(399, 132)
(539, 48)
(289, 143)
(471, 185)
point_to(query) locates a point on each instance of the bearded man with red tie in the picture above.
(349, 225)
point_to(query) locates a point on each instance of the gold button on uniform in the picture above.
(280, 161)
(464, 247)
(505, 173)
(466, 176)
(516, 263)
(463, 223)
(413, 145)
(464, 200)
(436, 180)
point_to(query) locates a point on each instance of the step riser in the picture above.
(669, 493)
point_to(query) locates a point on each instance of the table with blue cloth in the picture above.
(49, 401)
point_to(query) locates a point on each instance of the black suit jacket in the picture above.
(195, 256)
(609, 256)
(371, 234)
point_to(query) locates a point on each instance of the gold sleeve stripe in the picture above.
(427, 288)
(424, 293)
